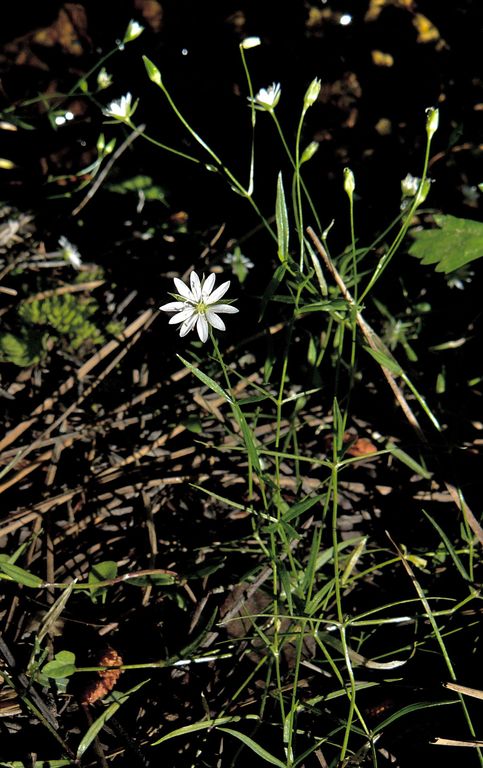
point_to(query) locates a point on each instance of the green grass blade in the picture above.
(260, 751)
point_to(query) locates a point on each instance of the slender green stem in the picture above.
(294, 165)
(386, 258)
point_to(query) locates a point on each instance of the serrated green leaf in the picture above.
(452, 244)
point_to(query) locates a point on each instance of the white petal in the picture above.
(208, 285)
(173, 306)
(195, 286)
(180, 317)
(228, 308)
(215, 321)
(183, 289)
(218, 293)
(202, 328)
(188, 325)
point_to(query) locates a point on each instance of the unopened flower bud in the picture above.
(153, 72)
(309, 151)
(349, 182)
(104, 79)
(432, 121)
(312, 93)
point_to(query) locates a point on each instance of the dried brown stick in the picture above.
(143, 320)
(148, 318)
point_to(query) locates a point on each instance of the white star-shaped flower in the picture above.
(198, 306)
(70, 252)
(267, 98)
(120, 109)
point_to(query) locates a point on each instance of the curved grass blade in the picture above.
(98, 724)
(260, 751)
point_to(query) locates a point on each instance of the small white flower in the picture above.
(239, 264)
(267, 98)
(133, 30)
(70, 252)
(410, 185)
(104, 79)
(120, 109)
(198, 306)
(238, 258)
(250, 42)
(459, 277)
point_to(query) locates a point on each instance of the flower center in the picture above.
(201, 308)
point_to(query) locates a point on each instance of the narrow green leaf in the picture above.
(301, 506)
(403, 457)
(457, 561)
(409, 709)
(281, 218)
(260, 751)
(206, 380)
(324, 306)
(248, 439)
(54, 612)
(203, 726)
(20, 575)
(384, 360)
(98, 724)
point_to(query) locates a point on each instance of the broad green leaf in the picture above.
(260, 751)
(98, 724)
(63, 665)
(281, 218)
(452, 244)
(404, 458)
(206, 380)
(20, 575)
